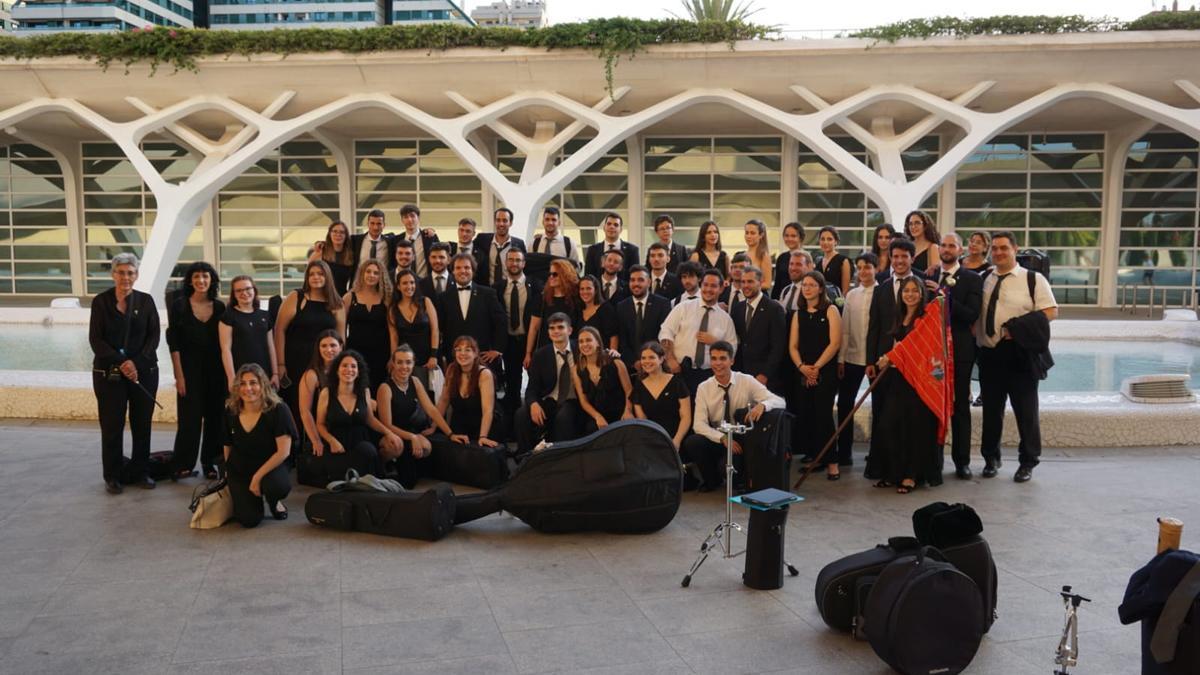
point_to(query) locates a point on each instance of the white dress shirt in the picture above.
(444, 276)
(497, 254)
(855, 316)
(685, 297)
(381, 250)
(744, 392)
(558, 364)
(1014, 301)
(683, 323)
(522, 301)
(790, 297)
(557, 245)
(420, 266)
(464, 298)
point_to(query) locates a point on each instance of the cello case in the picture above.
(624, 478)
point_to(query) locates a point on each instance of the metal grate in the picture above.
(1158, 389)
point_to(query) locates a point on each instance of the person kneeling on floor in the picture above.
(259, 432)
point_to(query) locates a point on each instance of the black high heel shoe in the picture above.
(210, 473)
(184, 473)
(276, 513)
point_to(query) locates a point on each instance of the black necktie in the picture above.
(945, 275)
(437, 285)
(657, 284)
(564, 377)
(993, 299)
(749, 316)
(373, 245)
(728, 412)
(787, 297)
(637, 325)
(607, 290)
(699, 359)
(514, 308)
(498, 266)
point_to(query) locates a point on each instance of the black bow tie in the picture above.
(464, 289)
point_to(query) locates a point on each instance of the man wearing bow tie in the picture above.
(471, 309)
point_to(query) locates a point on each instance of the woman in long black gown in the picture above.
(345, 420)
(596, 313)
(834, 266)
(259, 433)
(661, 396)
(413, 321)
(200, 382)
(304, 314)
(708, 249)
(911, 443)
(406, 409)
(816, 336)
(601, 382)
(367, 318)
(469, 398)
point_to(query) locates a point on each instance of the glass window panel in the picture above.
(163, 150)
(594, 184)
(248, 235)
(678, 146)
(57, 202)
(116, 235)
(248, 201)
(921, 155)
(687, 224)
(386, 184)
(1074, 238)
(48, 235)
(111, 183)
(989, 220)
(995, 162)
(1165, 139)
(992, 181)
(1171, 180)
(230, 218)
(610, 165)
(310, 200)
(1158, 239)
(746, 182)
(733, 221)
(678, 181)
(108, 167)
(302, 165)
(599, 201)
(42, 269)
(748, 145)
(175, 168)
(991, 200)
(746, 200)
(41, 253)
(815, 180)
(387, 165)
(830, 200)
(388, 148)
(304, 148)
(390, 203)
(1159, 199)
(313, 219)
(510, 165)
(843, 220)
(1067, 142)
(665, 201)
(746, 163)
(451, 200)
(1158, 219)
(1065, 219)
(43, 286)
(1064, 200)
(679, 164)
(449, 183)
(1006, 143)
(1071, 258)
(34, 168)
(113, 201)
(1066, 161)
(96, 219)
(20, 150)
(1180, 160)
(44, 184)
(1075, 180)
(254, 254)
(253, 183)
(1066, 276)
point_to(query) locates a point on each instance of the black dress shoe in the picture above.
(978, 402)
(989, 469)
(963, 473)
(1023, 474)
(145, 482)
(113, 487)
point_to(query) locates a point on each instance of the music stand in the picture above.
(722, 534)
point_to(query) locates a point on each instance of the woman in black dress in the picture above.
(596, 313)
(367, 318)
(329, 345)
(601, 383)
(337, 253)
(816, 336)
(245, 332)
(259, 432)
(708, 249)
(561, 294)
(793, 240)
(976, 259)
(413, 321)
(345, 420)
(832, 265)
(311, 309)
(881, 240)
(911, 447)
(200, 382)
(406, 409)
(660, 396)
(469, 399)
(920, 228)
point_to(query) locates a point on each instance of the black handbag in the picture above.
(940, 524)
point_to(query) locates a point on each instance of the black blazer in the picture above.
(780, 280)
(620, 290)
(653, 315)
(966, 300)
(533, 302)
(356, 243)
(881, 318)
(543, 373)
(485, 321)
(762, 346)
(595, 254)
(474, 254)
(426, 242)
(679, 254)
(483, 255)
(672, 287)
(425, 283)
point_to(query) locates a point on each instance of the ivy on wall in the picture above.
(949, 26)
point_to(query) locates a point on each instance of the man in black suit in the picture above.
(467, 308)
(881, 318)
(965, 298)
(793, 240)
(522, 300)
(491, 248)
(732, 292)
(422, 239)
(761, 326)
(466, 241)
(612, 287)
(551, 407)
(374, 243)
(662, 282)
(639, 316)
(404, 257)
(438, 279)
(677, 254)
(594, 259)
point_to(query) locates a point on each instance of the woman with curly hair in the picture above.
(200, 386)
(259, 433)
(346, 418)
(468, 400)
(561, 294)
(367, 318)
(920, 228)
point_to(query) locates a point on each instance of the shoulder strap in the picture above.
(1031, 279)
(1179, 603)
(567, 244)
(537, 242)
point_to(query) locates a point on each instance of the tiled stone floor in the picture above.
(93, 583)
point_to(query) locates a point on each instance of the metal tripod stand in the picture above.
(722, 535)
(1068, 647)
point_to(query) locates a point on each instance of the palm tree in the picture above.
(719, 10)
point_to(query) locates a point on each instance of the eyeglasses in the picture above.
(247, 289)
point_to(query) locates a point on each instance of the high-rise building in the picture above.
(259, 14)
(514, 13)
(426, 11)
(35, 17)
(6, 22)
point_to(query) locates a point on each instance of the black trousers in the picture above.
(247, 508)
(362, 456)
(877, 454)
(114, 400)
(201, 416)
(514, 357)
(814, 405)
(1004, 375)
(409, 469)
(709, 457)
(562, 423)
(848, 386)
(694, 377)
(960, 422)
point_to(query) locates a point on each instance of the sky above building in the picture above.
(797, 16)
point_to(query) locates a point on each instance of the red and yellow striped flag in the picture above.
(926, 359)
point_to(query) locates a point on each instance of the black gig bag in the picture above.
(1165, 596)
(843, 585)
(472, 465)
(924, 615)
(940, 524)
(427, 515)
(973, 557)
(768, 459)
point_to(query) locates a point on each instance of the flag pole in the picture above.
(807, 469)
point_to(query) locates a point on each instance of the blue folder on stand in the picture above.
(770, 498)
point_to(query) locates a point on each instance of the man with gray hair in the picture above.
(124, 333)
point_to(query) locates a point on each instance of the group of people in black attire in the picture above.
(396, 342)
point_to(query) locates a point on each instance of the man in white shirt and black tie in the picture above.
(761, 325)
(612, 287)
(718, 399)
(422, 239)
(551, 407)
(662, 282)
(593, 263)
(374, 244)
(492, 248)
(799, 264)
(522, 299)
(689, 280)
(439, 273)
(677, 254)
(852, 357)
(553, 241)
(692, 326)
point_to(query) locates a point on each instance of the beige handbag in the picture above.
(212, 506)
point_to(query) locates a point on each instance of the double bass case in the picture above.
(427, 515)
(624, 478)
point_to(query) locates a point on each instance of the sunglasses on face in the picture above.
(554, 274)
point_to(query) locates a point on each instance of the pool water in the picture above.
(1080, 365)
